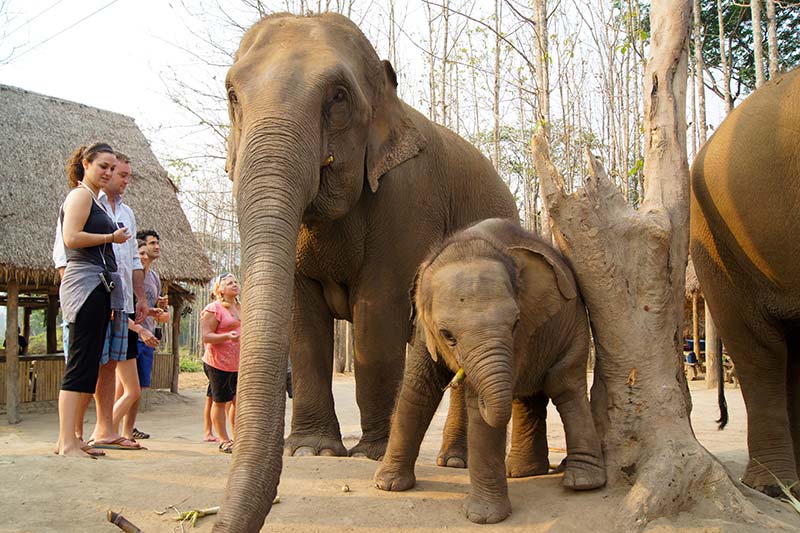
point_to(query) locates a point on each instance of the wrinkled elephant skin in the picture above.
(745, 247)
(341, 190)
(504, 306)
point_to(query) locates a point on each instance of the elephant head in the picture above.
(314, 115)
(475, 298)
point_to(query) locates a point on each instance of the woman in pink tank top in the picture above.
(221, 327)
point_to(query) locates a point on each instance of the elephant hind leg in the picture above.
(793, 395)
(761, 365)
(528, 455)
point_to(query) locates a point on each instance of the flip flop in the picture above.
(212, 438)
(226, 446)
(117, 444)
(93, 452)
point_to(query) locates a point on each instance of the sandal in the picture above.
(226, 446)
(138, 435)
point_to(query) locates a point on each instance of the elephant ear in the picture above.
(417, 321)
(393, 137)
(544, 282)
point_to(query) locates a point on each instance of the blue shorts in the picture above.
(116, 344)
(144, 363)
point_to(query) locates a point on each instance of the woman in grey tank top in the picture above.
(87, 286)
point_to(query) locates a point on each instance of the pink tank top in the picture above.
(223, 356)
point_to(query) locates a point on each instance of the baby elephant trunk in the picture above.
(490, 374)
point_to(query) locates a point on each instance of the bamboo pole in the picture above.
(176, 343)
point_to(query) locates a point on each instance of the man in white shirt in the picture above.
(131, 272)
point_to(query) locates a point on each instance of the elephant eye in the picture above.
(339, 96)
(448, 337)
(232, 98)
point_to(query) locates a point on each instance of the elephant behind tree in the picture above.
(746, 250)
(341, 191)
(504, 306)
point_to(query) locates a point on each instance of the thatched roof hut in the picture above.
(37, 135)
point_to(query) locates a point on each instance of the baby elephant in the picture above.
(504, 306)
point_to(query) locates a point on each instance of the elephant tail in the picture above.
(723, 405)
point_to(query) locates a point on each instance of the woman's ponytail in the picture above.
(75, 167)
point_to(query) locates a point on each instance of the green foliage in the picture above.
(738, 26)
(191, 364)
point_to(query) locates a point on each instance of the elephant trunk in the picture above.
(273, 189)
(490, 373)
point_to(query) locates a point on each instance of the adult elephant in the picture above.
(341, 189)
(745, 248)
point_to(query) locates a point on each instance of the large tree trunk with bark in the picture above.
(631, 266)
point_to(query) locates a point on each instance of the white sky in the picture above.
(113, 60)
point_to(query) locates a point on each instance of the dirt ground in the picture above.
(42, 492)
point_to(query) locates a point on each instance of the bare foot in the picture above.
(210, 438)
(73, 448)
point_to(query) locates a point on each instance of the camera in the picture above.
(158, 333)
(108, 283)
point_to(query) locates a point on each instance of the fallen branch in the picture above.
(122, 522)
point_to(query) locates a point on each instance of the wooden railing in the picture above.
(40, 376)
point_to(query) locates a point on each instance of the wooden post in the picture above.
(176, 350)
(12, 353)
(52, 315)
(26, 325)
(339, 346)
(695, 324)
(349, 346)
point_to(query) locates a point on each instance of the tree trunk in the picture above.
(713, 352)
(772, 39)
(631, 268)
(496, 91)
(431, 66)
(443, 83)
(12, 353)
(700, 69)
(758, 39)
(543, 93)
(723, 61)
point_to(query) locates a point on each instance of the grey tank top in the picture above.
(98, 222)
(84, 266)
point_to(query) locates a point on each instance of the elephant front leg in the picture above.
(487, 501)
(381, 331)
(453, 452)
(315, 428)
(419, 397)
(529, 454)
